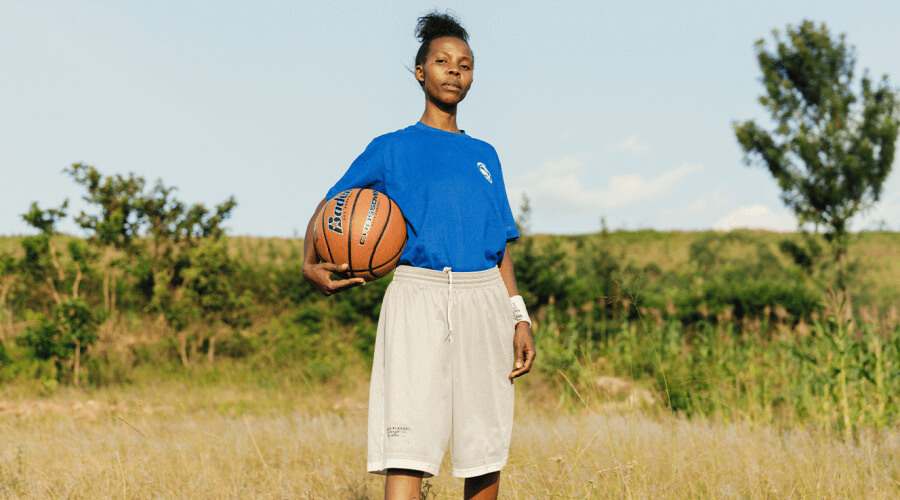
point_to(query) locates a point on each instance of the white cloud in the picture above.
(757, 216)
(632, 145)
(555, 186)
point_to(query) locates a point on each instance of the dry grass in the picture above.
(233, 442)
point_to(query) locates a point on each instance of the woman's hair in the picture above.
(436, 25)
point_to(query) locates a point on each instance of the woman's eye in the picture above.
(466, 67)
(440, 60)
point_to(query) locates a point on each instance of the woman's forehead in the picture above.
(450, 45)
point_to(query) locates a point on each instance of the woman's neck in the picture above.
(442, 119)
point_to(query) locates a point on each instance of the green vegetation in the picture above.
(726, 324)
(832, 148)
(742, 333)
(730, 325)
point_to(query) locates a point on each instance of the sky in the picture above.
(600, 110)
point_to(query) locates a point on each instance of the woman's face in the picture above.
(446, 72)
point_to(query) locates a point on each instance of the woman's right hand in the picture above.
(319, 276)
(317, 273)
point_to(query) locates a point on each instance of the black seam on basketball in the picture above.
(388, 261)
(399, 251)
(325, 235)
(405, 239)
(372, 269)
(350, 234)
(383, 229)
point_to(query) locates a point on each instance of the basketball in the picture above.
(362, 228)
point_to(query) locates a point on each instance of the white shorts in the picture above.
(432, 383)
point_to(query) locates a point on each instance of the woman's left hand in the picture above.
(523, 346)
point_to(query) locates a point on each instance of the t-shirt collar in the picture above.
(421, 126)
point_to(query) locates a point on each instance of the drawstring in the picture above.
(449, 272)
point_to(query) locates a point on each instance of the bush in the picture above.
(752, 298)
(360, 304)
(302, 344)
(68, 333)
(542, 272)
(290, 285)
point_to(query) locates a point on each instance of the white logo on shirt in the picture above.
(484, 171)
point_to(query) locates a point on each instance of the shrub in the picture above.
(542, 272)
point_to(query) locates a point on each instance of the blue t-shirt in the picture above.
(450, 189)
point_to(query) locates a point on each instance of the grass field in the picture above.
(779, 409)
(231, 441)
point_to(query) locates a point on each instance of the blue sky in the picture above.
(620, 110)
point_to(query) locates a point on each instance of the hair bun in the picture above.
(436, 25)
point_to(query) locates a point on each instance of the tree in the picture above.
(118, 223)
(523, 220)
(65, 336)
(175, 230)
(211, 290)
(41, 261)
(69, 331)
(8, 270)
(832, 148)
(541, 271)
(176, 252)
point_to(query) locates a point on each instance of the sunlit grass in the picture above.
(778, 408)
(225, 441)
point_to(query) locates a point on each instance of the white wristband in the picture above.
(519, 311)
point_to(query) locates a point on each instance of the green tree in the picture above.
(8, 277)
(41, 264)
(541, 270)
(70, 329)
(210, 287)
(523, 220)
(598, 271)
(65, 336)
(832, 147)
(116, 225)
(174, 232)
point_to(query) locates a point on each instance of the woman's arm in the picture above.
(318, 274)
(523, 344)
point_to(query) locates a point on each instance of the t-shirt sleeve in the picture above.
(366, 171)
(509, 222)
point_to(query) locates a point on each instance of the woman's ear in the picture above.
(420, 73)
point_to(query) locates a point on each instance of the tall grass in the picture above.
(838, 374)
(234, 441)
(629, 398)
(614, 409)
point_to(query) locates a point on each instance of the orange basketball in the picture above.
(363, 228)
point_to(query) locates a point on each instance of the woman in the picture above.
(452, 320)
